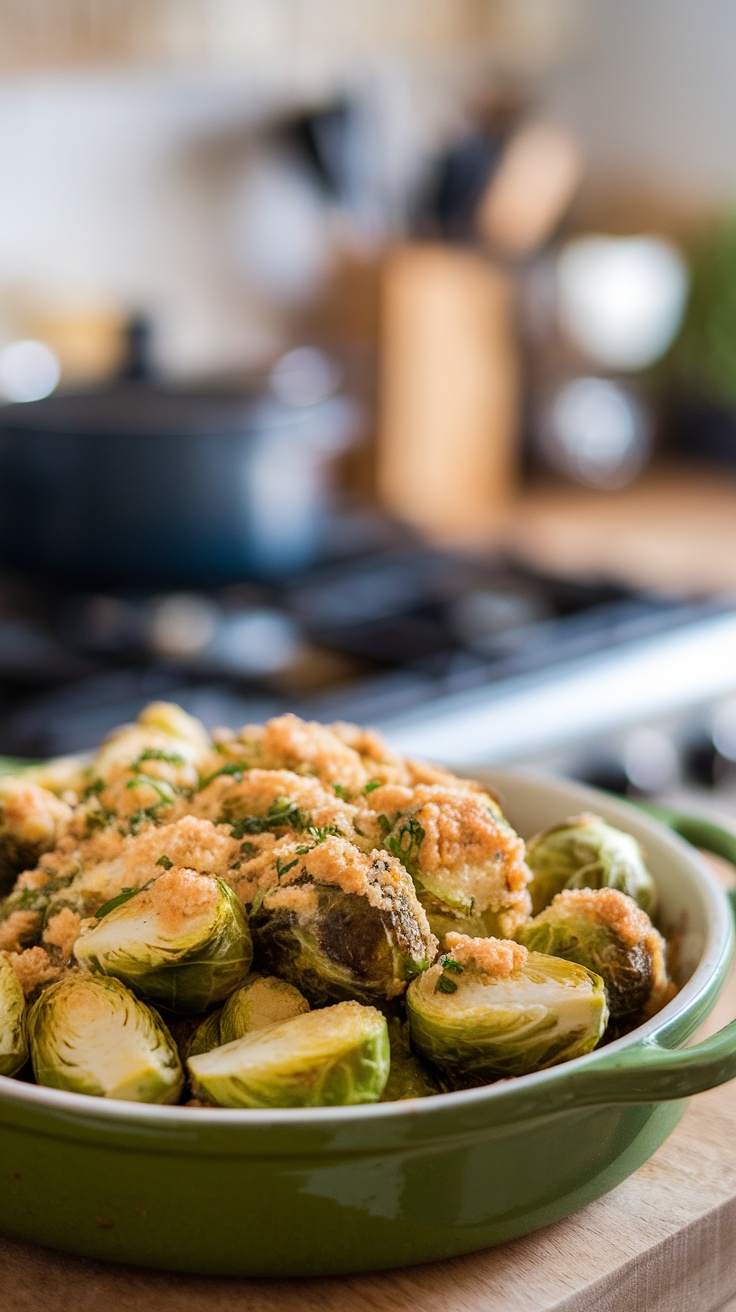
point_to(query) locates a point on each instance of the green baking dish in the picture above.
(334, 1190)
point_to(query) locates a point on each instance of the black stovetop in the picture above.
(368, 636)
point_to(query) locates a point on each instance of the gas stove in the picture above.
(467, 659)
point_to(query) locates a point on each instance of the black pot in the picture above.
(137, 485)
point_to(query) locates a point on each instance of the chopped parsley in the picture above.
(95, 788)
(449, 963)
(165, 862)
(406, 842)
(281, 814)
(156, 754)
(118, 901)
(340, 791)
(385, 825)
(248, 849)
(140, 817)
(318, 833)
(234, 768)
(445, 985)
(161, 787)
(372, 785)
(100, 818)
(284, 869)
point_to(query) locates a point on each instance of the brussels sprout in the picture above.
(489, 1008)
(91, 1035)
(205, 1037)
(32, 820)
(466, 861)
(408, 1077)
(341, 924)
(607, 932)
(181, 941)
(13, 1043)
(263, 1000)
(323, 1058)
(585, 852)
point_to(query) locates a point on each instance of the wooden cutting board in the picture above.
(663, 1241)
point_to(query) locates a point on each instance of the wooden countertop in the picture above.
(663, 1241)
(674, 528)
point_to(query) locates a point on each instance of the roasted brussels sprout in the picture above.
(182, 941)
(607, 932)
(263, 1000)
(341, 924)
(205, 1037)
(32, 820)
(91, 1035)
(489, 1008)
(408, 1077)
(13, 1043)
(320, 1059)
(465, 859)
(585, 852)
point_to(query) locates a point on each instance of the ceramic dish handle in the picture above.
(650, 1072)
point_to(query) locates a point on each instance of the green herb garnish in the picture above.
(118, 901)
(234, 768)
(156, 754)
(372, 785)
(449, 963)
(248, 849)
(282, 870)
(340, 791)
(406, 842)
(281, 814)
(445, 985)
(162, 787)
(165, 862)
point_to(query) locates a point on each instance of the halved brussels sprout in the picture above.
(263, 1000)
(182, 941)
(607, 932)
(91, 1035)
(585, 852)
(489, 1008)
(32, 820)
(408, 1077)
(466, 861)
(205, 1037)
(341, 924)
(13, 1042)
(324, 1058)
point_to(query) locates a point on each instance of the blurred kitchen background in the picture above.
(376, 361)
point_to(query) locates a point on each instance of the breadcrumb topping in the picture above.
(497, 957)
(609, 907)
(32, 814)
(177, 897)
(19, 926)
(62, 932)
(33, 968)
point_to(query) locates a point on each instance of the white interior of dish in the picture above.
(690, 900)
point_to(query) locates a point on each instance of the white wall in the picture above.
(652, 92)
